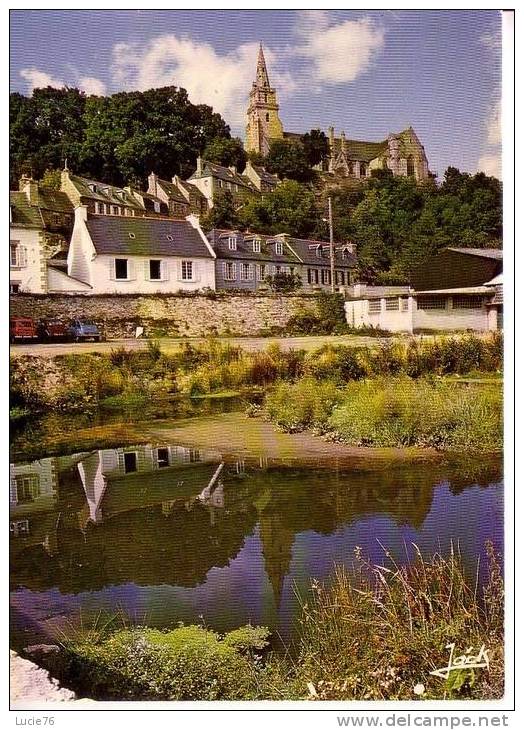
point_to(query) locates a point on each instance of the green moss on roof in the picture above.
(22, 213)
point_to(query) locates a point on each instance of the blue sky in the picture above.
(365, 72)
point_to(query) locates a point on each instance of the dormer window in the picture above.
(279, 248)
(232, 243)
(256, 245)
(92, 187)
(319, 252)
(157, 206)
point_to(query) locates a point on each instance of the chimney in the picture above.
(152, 184)
(175, 179)
(30, 188)
(351, 247)
(199, 166)
(194, 219)
(233, 169)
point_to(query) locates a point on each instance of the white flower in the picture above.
(419, 689)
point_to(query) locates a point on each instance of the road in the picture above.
(172, 345)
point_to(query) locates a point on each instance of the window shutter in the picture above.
(179, 270)
(164, 270)
(112, 269)
(224, 269)
(234, 270)
(147, 271)
(131, 270)
(196, 271)
(23, 256)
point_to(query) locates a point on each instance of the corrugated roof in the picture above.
(486, 253)
(149, 237)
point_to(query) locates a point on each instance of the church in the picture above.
(402, 153)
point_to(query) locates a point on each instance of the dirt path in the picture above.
(172, 345)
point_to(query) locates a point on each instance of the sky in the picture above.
(366, 73)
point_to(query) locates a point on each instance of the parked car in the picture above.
(22, 328)
(52, 330)
(84, 329)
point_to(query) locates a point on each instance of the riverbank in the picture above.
(373, 633)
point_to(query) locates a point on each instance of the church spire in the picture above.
(262, 76)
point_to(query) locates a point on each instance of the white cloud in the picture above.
(494, 124)
(38, 79)
(339, 53)
(491, 165)
(222, 81)
(92, 85)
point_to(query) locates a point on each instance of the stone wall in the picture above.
(168, 316)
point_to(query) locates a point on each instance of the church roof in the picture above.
(262, 75)
(359, 150)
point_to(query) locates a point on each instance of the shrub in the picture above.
(340, 363)
(307, 403)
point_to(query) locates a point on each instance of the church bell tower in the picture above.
(263, 122)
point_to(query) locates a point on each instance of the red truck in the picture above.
(21, 329)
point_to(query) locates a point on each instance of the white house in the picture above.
(121, 255)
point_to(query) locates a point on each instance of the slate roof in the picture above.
(265, 175)
(361, 151)
(23, 214)
(54, 200)
(172, 191)
(149, 237)
(210, 169)
(485, 253)
(104, 192)
(296, 250)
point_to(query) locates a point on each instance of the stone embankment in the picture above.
(30, 683)
(169, 316)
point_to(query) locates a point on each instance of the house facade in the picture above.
(457, 289)
(41, 222)
(211, 178)
(263, 180)
(245, 260)
(118, 255)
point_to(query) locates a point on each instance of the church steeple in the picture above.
(263, 123)
(262, 76)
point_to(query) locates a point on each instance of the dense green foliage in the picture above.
(290, 208)
(118, 139)
(289, 159)
(226, 152)
(373, 633)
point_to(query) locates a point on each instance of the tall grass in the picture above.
(395, 412)
(376, 632)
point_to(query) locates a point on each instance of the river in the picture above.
(161, 531)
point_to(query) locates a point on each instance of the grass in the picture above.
(374, 632)
(393, 412)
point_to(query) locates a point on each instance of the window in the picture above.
(162, 457)
(108, 209)
(129, 211)
(467, 302)
(27, 488)
(342, 278)
(230, 271)
(403, 305)
(232, 243)
(431, 303)
(410, 166)
(155, 269)
(132, 235)
(100, 208)
(17, 255)
(195, 455)
(256, 245)
(279, 248)
(309, 276)
(92, 187)
(14, 287)
(392, 305)
(157, 206)
(20, 527)
(121, 269)
(130, 462)
(362, 169)
(316, 276)
(374, 306)
(246, 272)
(220, 184)
(116, 210)
(261, 272)
(187, 271)
(326, 276)
(318, 252)
(57, 219)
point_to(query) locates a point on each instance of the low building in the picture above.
(120, 255)
(211, 178)
(457, 289)
(245, 260)
(41, 222)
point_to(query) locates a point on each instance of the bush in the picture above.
(305, 404)
(340, 363)
(187, 663)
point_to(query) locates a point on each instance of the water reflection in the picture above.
(169, 533)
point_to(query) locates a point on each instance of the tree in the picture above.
(316, 146)
(288, 159)
(226, 152)
(283, 282)
(51, 179)
(223, 214)
(289, 208)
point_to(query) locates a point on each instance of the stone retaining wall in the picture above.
(168, 316)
